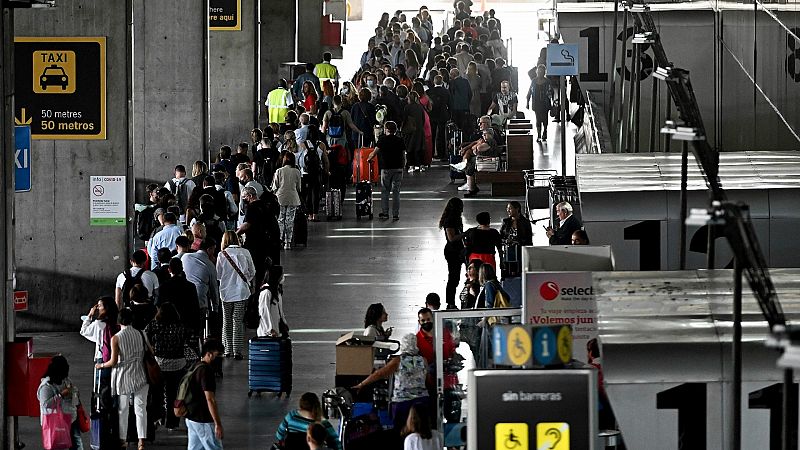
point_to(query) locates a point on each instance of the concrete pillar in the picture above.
(61, 261)
(232, 81)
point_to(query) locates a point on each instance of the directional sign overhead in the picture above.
(61, 86)
(22, 158)
(562, 59)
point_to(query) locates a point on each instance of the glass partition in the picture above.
(462, 339)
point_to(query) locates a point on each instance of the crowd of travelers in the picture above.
(213, 235)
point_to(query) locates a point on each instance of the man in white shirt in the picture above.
(148, 279)
(301, 134)
(181, 187)
(164, 238)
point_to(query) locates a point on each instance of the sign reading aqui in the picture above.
(225, 15)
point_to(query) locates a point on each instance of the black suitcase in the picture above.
(333, 204)
(300, 233)
(269, 365)
(363, 199)
(454, 135)
(104, 423)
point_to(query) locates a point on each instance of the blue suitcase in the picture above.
(270, 365)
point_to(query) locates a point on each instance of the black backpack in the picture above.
(145, 222)
(336, 125)
(213, 229)
(130, 282)
(311, 159)
(181, 192)
(251, 315)
(220, 204)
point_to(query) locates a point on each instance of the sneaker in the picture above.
(422, 169)
(410, 170)
(287, 247)
(396, 218)
(459, 166)
(464, 187)
(383, 216)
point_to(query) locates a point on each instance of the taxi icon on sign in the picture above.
(54, 75)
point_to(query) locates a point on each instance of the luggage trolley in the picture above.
(537, 189)
(564, 189)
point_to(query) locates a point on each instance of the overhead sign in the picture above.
(562, 59)
(20, 300)
(531, 346)
(22, 158)
(225, 15)
(107, 201)
(61, 86)
(562, 298)
(532, 409)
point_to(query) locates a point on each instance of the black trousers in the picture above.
(310, 188)
(453, 277)
(439, 130)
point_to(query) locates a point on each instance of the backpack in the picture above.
(311, 160)
(145, 222)
(220, 204)
(213, 229)
(130, 282)
(336, 125)
(340, 156)
(181, 192)
(184, 398)
(252, 318)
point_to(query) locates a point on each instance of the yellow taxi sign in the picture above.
(552, 436)
(511, 436)
(518, 346)
(54, 72)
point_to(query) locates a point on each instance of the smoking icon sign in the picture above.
(562, 59)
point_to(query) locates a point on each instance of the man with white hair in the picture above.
(567, 225)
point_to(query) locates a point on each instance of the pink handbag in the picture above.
(56, 429)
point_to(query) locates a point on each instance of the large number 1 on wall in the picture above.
(592, 34)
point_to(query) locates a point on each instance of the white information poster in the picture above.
(107, 201)
(563, 298)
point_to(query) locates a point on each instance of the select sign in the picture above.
(61, 86)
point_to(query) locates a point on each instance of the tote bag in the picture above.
(56, 433)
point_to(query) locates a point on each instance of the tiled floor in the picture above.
(347, 266)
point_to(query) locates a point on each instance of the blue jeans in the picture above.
(390, 180)
(202, 437)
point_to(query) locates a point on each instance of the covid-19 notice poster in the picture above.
(563, 298)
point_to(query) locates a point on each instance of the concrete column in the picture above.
(61, 261)
(232, 82)
(6, 216)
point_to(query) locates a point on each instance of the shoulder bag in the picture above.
(237, 269)
(151, 368)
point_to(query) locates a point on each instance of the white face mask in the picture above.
(345, 90)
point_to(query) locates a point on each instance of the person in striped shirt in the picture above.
(299, 420)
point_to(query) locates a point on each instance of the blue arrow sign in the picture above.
(22, 158)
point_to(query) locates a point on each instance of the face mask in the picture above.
(345, 90)
(427, 326)
(371, 83)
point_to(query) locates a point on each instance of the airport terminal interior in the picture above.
(638, 163)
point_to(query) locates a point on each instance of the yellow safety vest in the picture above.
(277, 105)
(325, 71)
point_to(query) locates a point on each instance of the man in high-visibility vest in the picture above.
(278, 102)
(327, 71)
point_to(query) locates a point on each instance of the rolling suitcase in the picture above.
(103, 416)
(363, 199)
(300, 228)
(333, 204)
(364, 170)
(455, 137)
(269, 365)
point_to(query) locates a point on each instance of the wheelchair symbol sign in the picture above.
(511, 436)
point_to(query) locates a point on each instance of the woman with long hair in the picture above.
(413, 128)
(327, 97)
(349, 95)
(56, 386)
(310, 97)
(99, 326)
(418, 433)
(516, 232)
(235, 271)
(373, 322)
(402, 76)
(452, 223)
(128, 379)
(168, 337)
(412, 64)
(427, 105)
(308, 413)
(286, 184)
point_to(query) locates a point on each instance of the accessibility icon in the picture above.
(518, 346)
(54, 72)
(511, 436)
(552, 436)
